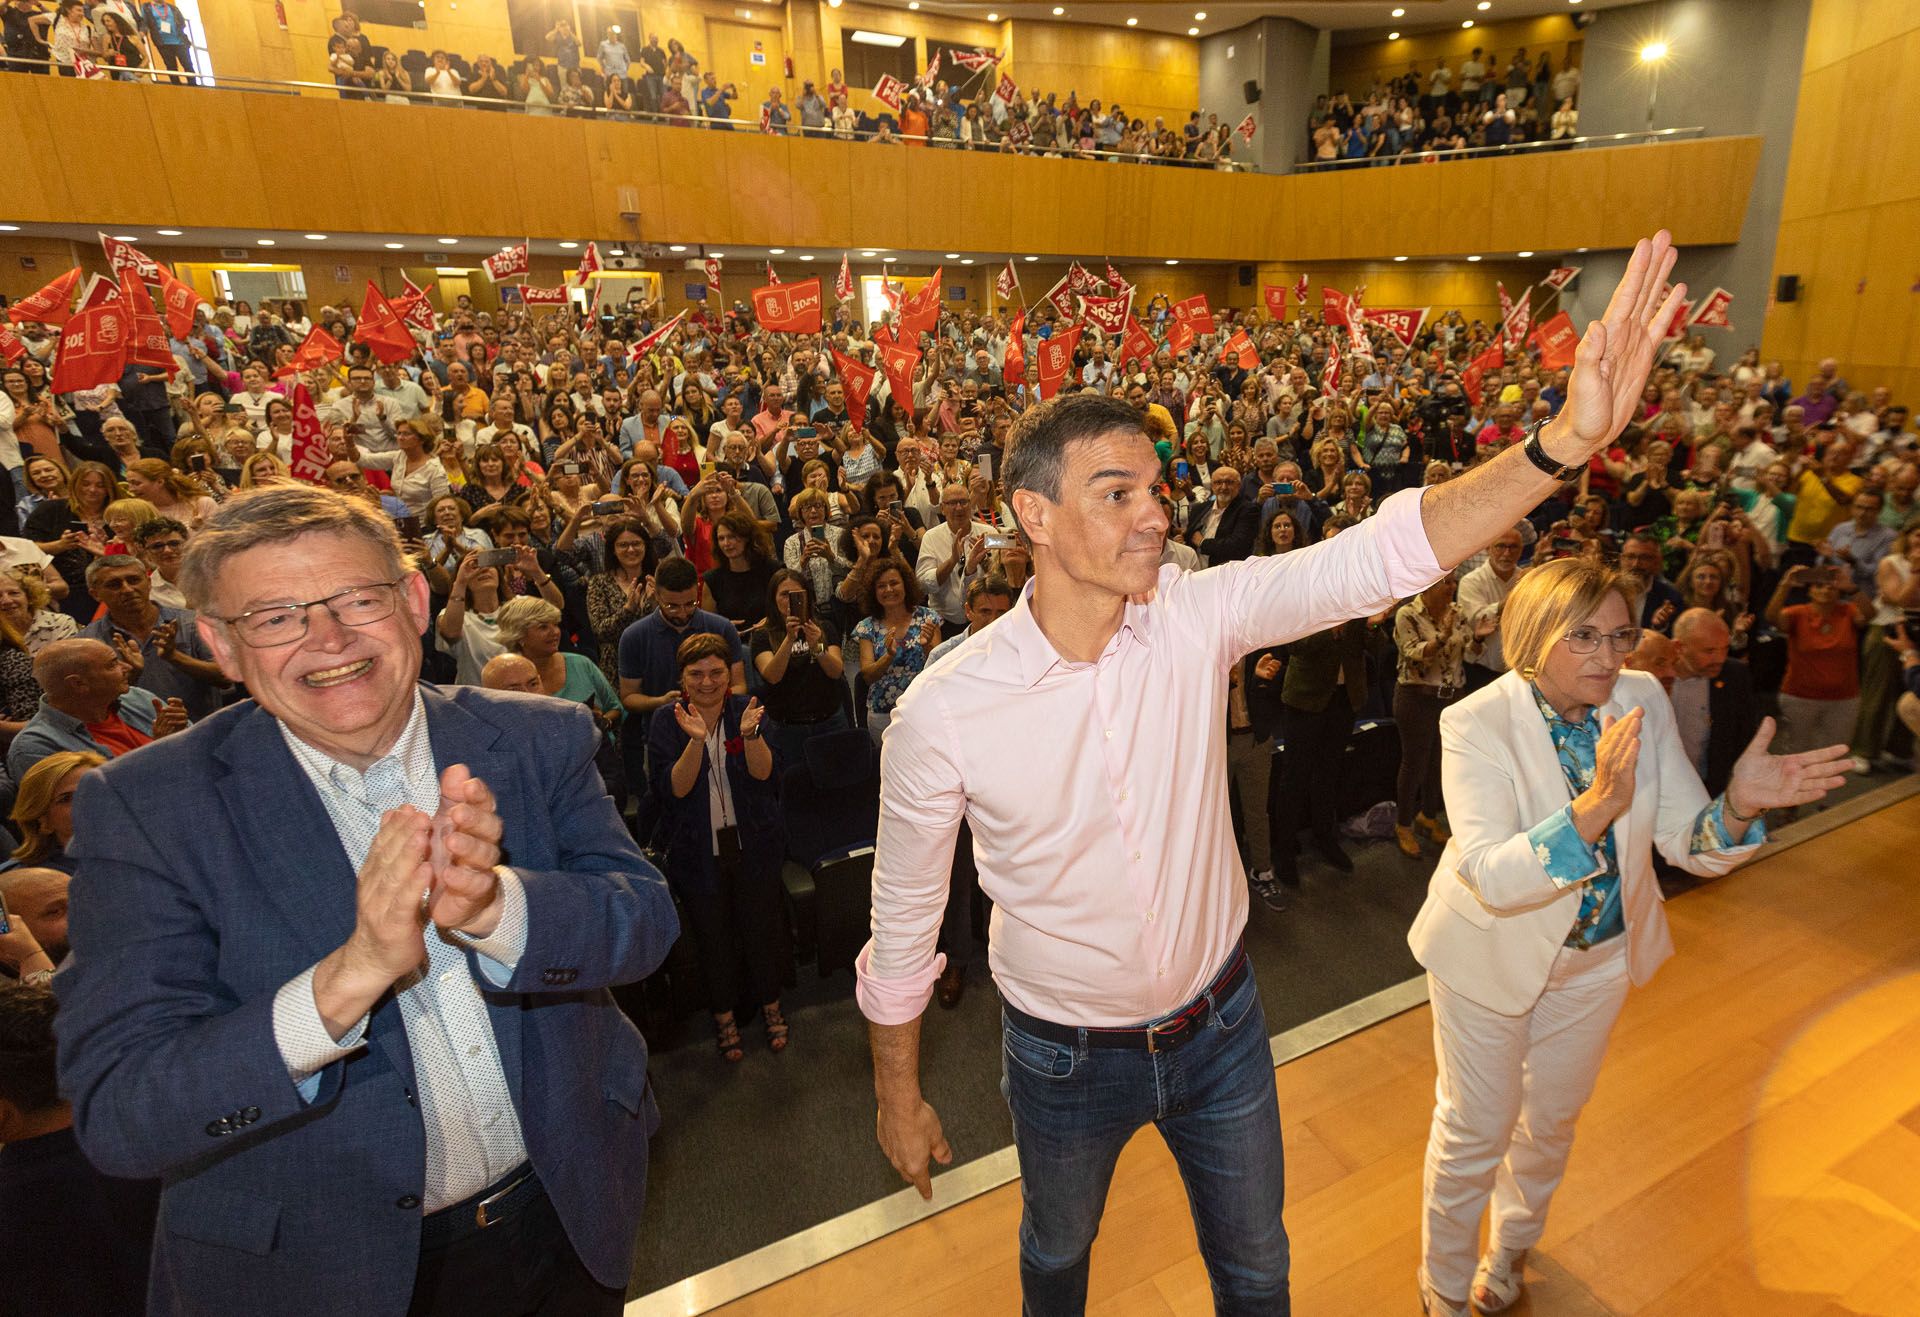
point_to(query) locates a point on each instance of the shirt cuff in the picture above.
(500, 951)
(301, 1035)
(1710, 831)
(1400, 535)
(898, 1000)
(1563, 853)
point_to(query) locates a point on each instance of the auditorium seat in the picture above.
(831, 804)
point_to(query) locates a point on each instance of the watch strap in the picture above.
(1537, 454)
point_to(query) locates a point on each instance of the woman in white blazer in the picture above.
(1560, 778)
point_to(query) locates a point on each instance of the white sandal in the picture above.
(1501, 1275)
(1434, 1306)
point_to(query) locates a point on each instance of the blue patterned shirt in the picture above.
(1568, 858)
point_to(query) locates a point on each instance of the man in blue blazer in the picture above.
(340, 960)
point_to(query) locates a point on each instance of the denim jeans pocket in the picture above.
(1037, 1056)
(1231, 1011)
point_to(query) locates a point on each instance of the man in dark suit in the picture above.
(1713, 701)
(1659, 603)
(1224, 530)
(341, 957)
(1324, 686)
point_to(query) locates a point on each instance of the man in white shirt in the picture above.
(952, 555)
(501, 422)
(1749, 456)
(369, 418)
(1482, 591)
(404, 398)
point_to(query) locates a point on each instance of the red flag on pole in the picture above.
(318, 349)
(147, 335)
(887, 91)
(1056, 359)
(1191, 318)
(531, 296)
(50, 305)
(413, 307)
(11, 346)
(1080, 279)
(1275, 296)
(1008, 281)
(1013, 368)
(1242, 349)
(1330, 375)
(1713, 311)
(1560, 276)
(899, 360)
(1402, 323)
(856, 381)
(1246, 129)
(589, 264)
(1060, 298)
(310, 455)
(507, 262)
(1005, 90)
(1557, 339)
(1109, 315)
(1118, 284)
(789, 308)
(975, 59)
(1490, 360)
(920, 311)
(773, 277)
(645, 345)
(382, 330)
(713, 274)
(178, 301)
(1678, 329)
(1333, 305)
(124, 256)
(1137, 345)
(1300, 293)
(843, 282)
(93, 347)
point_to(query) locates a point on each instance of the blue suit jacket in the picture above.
(209, 875)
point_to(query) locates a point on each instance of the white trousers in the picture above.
(1509, 1091)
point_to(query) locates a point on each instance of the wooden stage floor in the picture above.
(1753, 1147)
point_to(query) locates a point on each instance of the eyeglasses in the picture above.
(1586, 639)
(283, 624)
(166, 546)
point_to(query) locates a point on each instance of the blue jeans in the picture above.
(1213, 1101)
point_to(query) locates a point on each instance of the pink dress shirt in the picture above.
(1097, 792)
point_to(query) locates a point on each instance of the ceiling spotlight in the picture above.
(1653, 52)
(806, 258)
(676, 248)
(126, 237)
(15, 228)
(888, 260)
(1393, 36)
(1399, 258)
(1466, 22)
(1133, 22)
(1200, 17)
(446, 242)
(913, 4)
(393, 246)
(716, 255)
(316, 237)
(952, 256)
(869, 253)
(1484, 5)
(1523, 255)
(1399, 13)
(967, 260)
(1030, 258)
(776, 251)
(1057, 11)
(568, 246)
(1473, 259)
(168, 233)
(1172, 261)
(993, 18)
(1579, 249)
(1193, 31)
(263, 242)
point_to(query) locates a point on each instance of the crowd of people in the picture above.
(1414, 116)
(124, 40)
(710, 548)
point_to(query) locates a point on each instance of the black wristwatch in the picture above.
(1537, 454)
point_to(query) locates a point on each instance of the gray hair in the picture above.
(274, 514)
(112, 562)
(520, 615)
(1037, 453)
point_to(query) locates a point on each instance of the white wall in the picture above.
(1289, 61)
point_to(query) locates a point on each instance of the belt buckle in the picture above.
(480, 1219)
(1175, 1031)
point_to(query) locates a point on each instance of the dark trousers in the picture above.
(1316, 746)
(178, 58)
(956, 926)
(736, 924)
(155, 428)
(1416, 789)
(520, 1267)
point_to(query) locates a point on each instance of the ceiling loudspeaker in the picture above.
(1251, 90)
(1584, 21)
(1788, 289)
(1245, 273)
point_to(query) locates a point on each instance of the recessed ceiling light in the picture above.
(168, 233)
(888, 260)
(394, 246)
(952, 256)
(263, 242)
(1399, 13)
(1200, 17)
(1579, 249)
(1193, 31)
(1484, 5)
(1399, 258)
(1173, 261)
(1468, 22)
(777, 251)
(1031, 258)
(676, 248)
(913, 4)
(569, 246)
(1133, 22)
(1058, 10)
(993, 18)
(869, 253)
(316, 237)
(9, 228)
(1393, 36)
(1473, 258)
(716, 255)
(446, 242)
(968, 260)
(806, 258)
(1523, 255)
(126, 237)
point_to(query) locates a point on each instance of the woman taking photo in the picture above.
(713, 778)
(812, 550)
(1561, 778)
(417, 477)
(894, 639)
(1820, 694)
(74, 531)
(735, 587)
(798, 658)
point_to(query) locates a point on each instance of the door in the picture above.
(748, 55)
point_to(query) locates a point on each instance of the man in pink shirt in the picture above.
(1082, 738)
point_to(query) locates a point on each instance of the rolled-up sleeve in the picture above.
(1567, 857)
(922, 802)
(1279, 598)
(302, 1037)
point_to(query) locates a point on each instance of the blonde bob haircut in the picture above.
(520, 615)
(1549, 601)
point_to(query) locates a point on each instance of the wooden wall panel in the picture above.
(197, 124)
(1577, 194)
(993, 225)
(632, 159)
(36, 179)
(759, 187)
(550, 162)
(696, 200)
(1643, 187)
(823, 210)
(129, 182)
(939, 221)
(1468, 198)
(1824, 109)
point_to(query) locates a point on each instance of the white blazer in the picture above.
(1493, 921)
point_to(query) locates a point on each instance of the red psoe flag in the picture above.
(645, 345)
(920, 311)
(1330, 376)
(888, 90)
(1402, 322)
(1013, 367)
(1557, 339)
(1137, 345)
(1191, 318)
(843, 282)
(1678, 329)
(51, 305)
(1275, 296)
(1560, 276)
(1300, 293)
(507, 262)
(531, 296)
(381, 329)
(124, 256)
(147, 344)
(1060, 297)
(713, 274)
(94, 347)
(1333, 305)
(178, 302)
(1007, 283)
(317, 349)
(856, 381)
(1246, 129)
(1056, 359)
(789, 308)
(773, 277)
(1713, 311)
(1471, 378)
(589, 264)
(1241, 348)
(412, 306)
(310, 454)
(1005, 91)
(899, 361)
(1109, 315)
(11, 346)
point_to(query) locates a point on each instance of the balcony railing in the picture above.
(1511, 149)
